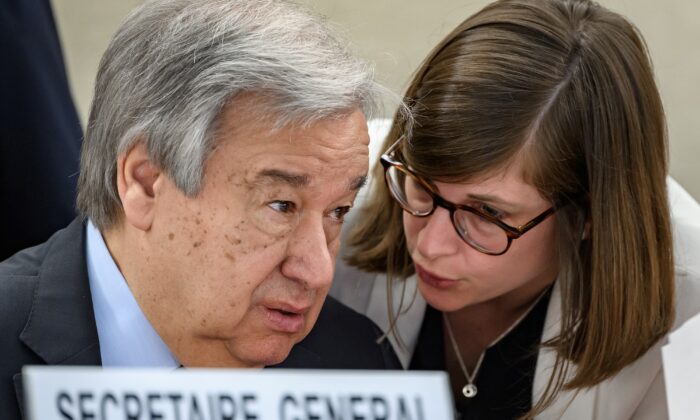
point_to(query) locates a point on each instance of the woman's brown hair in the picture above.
(568, 86)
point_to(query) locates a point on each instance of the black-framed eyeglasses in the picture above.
(418, 197)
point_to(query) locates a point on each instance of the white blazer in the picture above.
(636, 392)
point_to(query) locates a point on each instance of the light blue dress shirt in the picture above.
(126, 336)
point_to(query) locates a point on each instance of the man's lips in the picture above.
(285, 317)
(434, 280)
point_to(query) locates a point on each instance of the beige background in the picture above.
(397, 34)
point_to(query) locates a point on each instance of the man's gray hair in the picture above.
(173, 66)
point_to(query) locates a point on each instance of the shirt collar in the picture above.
(126, 336)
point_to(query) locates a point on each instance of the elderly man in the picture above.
(226, 141)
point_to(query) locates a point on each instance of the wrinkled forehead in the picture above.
(249, 112)
(248, 141)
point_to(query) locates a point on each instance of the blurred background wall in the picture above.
(397, 34)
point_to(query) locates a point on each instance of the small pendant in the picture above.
(469, 390)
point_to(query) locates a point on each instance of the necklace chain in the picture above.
(469, 390)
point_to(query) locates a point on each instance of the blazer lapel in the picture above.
(409, 301)
(569, 405)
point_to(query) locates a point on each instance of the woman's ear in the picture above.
(136, 178)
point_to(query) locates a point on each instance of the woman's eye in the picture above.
(490, 211)
(339, 213)
(282, 206)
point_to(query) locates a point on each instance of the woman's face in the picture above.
(453, 275)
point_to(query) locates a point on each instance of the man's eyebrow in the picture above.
(289, 178)
(300, 180)
(358, 182)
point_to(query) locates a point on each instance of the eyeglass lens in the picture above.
(477, 231)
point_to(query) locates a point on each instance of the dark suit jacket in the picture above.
(39, 128)
(46, 317)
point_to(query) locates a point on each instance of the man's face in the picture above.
(240, 272)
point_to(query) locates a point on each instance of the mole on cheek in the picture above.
(232, 240)
(230, 256)
(264, 246)
(171, 236)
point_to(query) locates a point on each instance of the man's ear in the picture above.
(136, 179)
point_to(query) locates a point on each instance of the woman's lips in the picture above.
(435, 281)
(283, 320)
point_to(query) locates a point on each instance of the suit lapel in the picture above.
(19, 391)
(301, 357)
(61, 327)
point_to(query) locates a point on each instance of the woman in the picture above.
(526, 203)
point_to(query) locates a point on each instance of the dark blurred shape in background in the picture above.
(40, 131)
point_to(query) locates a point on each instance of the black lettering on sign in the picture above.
(380, 408)
(419, 408)
(248, 400)
(287, 400)
(175, 400)
(84, 398)
(227, 407)
(153, 412)
(336, 412)
(403, 410)
(63, 403)
(107, 398)
(132, 406)
(354, 400)
(311, 407)
(195, 413)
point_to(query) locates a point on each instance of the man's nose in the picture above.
(309, 259)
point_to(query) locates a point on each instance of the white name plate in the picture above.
(91, 393)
